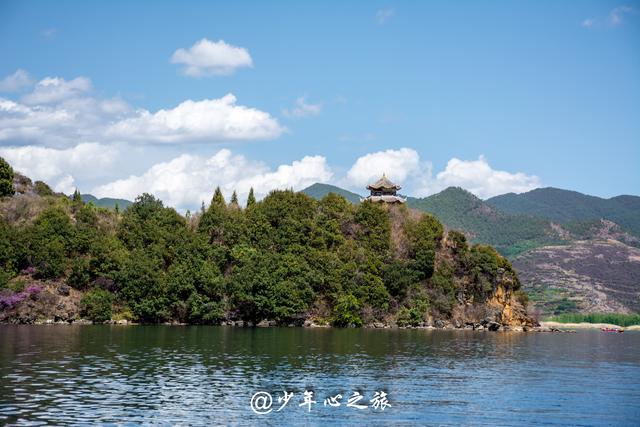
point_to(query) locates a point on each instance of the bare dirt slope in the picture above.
(589, 275)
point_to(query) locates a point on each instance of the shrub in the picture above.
(80, 274)
(96, 305)
(522, 297)
(42, 189)
(412, 316)
(346, 312)
(458, 241)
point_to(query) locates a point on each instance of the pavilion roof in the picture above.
(383, 184)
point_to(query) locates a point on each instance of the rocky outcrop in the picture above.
(40, 302)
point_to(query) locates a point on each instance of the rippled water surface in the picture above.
(167, 375)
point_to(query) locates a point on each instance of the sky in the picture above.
(119, 98)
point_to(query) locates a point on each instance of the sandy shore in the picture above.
(585, 325)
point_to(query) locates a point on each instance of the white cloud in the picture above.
(61, 168)
(58, 123)
(479, 178)
(15, 81)
(614, 19)
(615, 16)
(187, 180)
(55, 89)
(302, 109)
(405, 167)
(383, 15)
(398, 165)
(210, 119)
(60, 113)
(211, 58)
(588, 23)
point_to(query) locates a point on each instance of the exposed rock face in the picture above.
(508, 311)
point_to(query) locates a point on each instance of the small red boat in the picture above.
(612, 330)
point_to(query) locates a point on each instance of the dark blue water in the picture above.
(166, 375)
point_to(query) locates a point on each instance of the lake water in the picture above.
(168, 375)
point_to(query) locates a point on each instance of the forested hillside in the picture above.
(318, 191)
(510, 234)
(563, 206)
(285, 259)
(106, 202)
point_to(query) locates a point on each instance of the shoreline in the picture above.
(246, 325)
(585, 325)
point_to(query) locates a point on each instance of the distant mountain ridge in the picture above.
(509, 233)
(106, 202)
(564, 206)
(319, 190)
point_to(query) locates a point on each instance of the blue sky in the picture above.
(547, 92)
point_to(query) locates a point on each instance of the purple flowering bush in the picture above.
(10, 301)
(30, 271)
(33, 289)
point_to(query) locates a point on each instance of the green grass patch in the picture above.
(614, 318)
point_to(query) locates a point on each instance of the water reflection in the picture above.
(206, 375)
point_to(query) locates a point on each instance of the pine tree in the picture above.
(251, 200)
(77, 198)
(234, 199)
(218, 198)
(215, 215)
(76, 201)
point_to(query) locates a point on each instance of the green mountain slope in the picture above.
(318, 191)
(564, 206)
(511, 234)
(106, 202)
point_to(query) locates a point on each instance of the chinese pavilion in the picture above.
(384, 191)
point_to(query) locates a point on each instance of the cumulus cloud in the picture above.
(64, 116)
(60, 168)
(479, 178)
(302, 109)
(15, 81)
(396, 164)
(210, 119)
(405, 167)
(187, 180)
(383, 15)
(207, 58)
(61, 113)
(55, 89)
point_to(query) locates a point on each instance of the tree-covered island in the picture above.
(286, 259)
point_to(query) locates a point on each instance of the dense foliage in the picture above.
(285, 258)
(6, 178)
